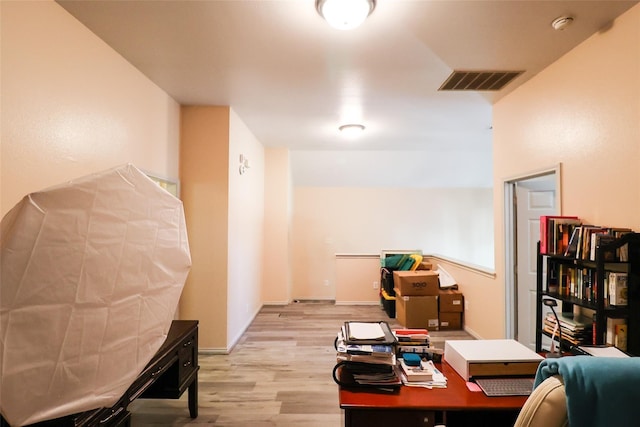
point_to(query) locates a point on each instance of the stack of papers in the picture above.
(365, 331)
(438, 380)
(602, 351)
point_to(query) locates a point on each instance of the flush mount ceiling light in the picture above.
(345, 14)
(351, 130)
(561, 22)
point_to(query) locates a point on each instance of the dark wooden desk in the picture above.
(171, 371)
(413, 406)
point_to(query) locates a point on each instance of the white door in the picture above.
(534, 197)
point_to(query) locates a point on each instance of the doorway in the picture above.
(526, 199)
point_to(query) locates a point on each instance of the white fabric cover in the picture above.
(91, 274)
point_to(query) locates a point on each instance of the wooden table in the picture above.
(413, 406)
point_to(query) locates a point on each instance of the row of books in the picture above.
(555, 233)
(570, 281)
(567, 236)
(576, 330)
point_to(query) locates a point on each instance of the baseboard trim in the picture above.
(357, 302)
(212, 351)
(472, 333)
(313, 301)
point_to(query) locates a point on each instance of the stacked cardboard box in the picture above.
(417, 298)
(450, 309)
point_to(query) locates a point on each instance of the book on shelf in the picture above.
(617, 287)
(613, 328)
(572, 247)
(555, 231)
(575, 329)
(588, 233)
(572, 281)
(622, 253)
(620, 338)
(594, 236)
(599, 239)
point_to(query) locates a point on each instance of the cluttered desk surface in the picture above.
(455, 397)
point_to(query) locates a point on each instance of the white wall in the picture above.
(426, 168)
(72, 106)
(246, 228)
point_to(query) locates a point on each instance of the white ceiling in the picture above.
(293, 79)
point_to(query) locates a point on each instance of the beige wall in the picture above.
(583, 112)
(72, 106)
(330, 221)
(225, 218)
(204, 174)
(276, 280)
(355, 276)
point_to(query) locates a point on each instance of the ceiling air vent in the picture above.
(479, 80)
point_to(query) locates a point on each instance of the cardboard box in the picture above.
(425, 266)
(451, 301)
(417, 311)
(450, 321)
(490, 358)
(416, 283)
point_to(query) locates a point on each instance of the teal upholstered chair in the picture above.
(584, 391)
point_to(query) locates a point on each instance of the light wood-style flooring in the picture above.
(279, 373)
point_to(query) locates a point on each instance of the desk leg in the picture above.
(193, 397)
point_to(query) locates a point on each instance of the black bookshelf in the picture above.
(590, 292)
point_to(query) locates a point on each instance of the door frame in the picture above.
(511, 239)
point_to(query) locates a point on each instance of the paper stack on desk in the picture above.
(427, 375)
(366, 355)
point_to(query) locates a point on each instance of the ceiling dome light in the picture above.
(345, 14)
(352, 130)
(561, 22)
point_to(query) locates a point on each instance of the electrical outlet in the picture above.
(375, 285)
(326, 282)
